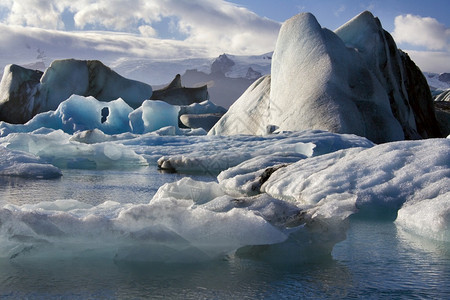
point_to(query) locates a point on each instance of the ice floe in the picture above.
(23, 164)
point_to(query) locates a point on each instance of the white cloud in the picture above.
(421, 31)
(148, 31)
(226, 25)
(40, 13)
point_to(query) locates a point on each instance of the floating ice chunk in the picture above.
(21, 164)
(80, 113)
(382, 177)
(165, 230)
(57, 149)
(153, 115)
(186, 221)
(429, 217)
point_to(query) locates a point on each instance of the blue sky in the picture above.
(188, 28)
(333, 13)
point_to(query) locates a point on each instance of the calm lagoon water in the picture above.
(377, 260)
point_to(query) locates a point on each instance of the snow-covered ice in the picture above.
(379, 179)
(215, 154)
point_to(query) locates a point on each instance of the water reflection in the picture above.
(224, 279)
(384, 263)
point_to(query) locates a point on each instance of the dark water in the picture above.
(375, 261)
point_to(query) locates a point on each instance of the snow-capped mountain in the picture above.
(438, 82)
(227, 76)
(159, 72)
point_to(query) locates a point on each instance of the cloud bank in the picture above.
(164, 29)
(215, 24)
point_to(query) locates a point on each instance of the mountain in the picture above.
(226, 76)
(438, 82)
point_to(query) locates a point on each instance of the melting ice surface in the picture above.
(283, 198)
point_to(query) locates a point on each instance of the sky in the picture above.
(170, 29)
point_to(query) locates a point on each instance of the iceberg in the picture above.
(186, 221)
(169, 228)
(174, 93)
(35, 92)
(201, 115)
(17, 90)
(335, 81)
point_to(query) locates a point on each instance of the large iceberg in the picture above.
(337, 82)
(24, 93)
